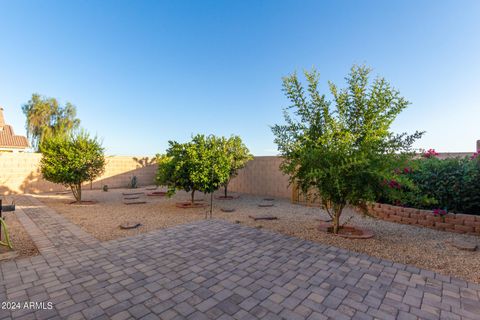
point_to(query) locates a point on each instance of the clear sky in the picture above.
(144, 72)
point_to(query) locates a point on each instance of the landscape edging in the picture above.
(458, 223)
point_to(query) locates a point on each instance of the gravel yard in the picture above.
(19, 237)
(422, 247)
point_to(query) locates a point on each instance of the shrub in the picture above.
(72, 160)
(454, 183)
(451, 184)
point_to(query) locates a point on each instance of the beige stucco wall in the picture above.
(262, 176)
(19, 173)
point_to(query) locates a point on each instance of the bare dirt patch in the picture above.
(422, 247)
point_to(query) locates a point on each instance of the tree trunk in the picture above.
(193, 197)
(336, 219)
(77, 191)
(226, 187)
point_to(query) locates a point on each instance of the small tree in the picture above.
(341, 150)
(45, 117)
(198, 165)
(238, 156)
(72, 160)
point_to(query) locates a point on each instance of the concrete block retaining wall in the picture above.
(458, 223)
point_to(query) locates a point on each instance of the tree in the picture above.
(72, 160)
(341, 150)
(45, 117)
(238, 155)
(198, 165)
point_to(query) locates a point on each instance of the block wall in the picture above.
(20, 173)
(262, 176)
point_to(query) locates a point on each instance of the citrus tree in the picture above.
(72, 160)
(341, 150)
(198, 165)
(238, 156)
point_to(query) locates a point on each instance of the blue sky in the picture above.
(144, 72)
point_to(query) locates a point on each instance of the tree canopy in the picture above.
(341, 149)
(45, 117)
(198, 165)
(72, 160)
(238, 156)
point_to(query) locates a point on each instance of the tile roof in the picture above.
(8, 139)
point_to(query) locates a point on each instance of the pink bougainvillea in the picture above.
(430, 153)
(393, 184)
(439, 212)
(407, 170)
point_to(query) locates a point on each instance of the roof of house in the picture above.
(8, 139)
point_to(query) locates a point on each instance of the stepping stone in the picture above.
(464, 245)
(227, 209)
(263, 217)
(131, 193)
(324, 219)
(227, 197)
(268, 199)
(157, 194)
(189, 205)
(264, 205)
(131, 198)
(135, 202)
(83, 202)
(151, 188)
(130, 225)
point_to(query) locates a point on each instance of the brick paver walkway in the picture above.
(217, 270)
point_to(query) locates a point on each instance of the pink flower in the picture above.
(407, 170)
(439, 212)
(475, 155)
(430, 153)
(393, 184)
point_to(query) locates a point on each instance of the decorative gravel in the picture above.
(20, 239)
(422, 247)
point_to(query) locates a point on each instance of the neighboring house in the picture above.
(9, 142)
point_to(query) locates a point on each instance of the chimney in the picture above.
(2, 119)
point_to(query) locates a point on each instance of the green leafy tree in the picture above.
(72, 160)
(238, 155)
(198, 165)
(45, 117)
(341, 150)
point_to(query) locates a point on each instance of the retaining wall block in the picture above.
(464, 228)
(466, 217)
(404, 214)
(443, 225)
(421, 215)
(426, 223)
(412, 221)
(450, 217)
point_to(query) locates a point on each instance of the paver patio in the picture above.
(217, 270)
